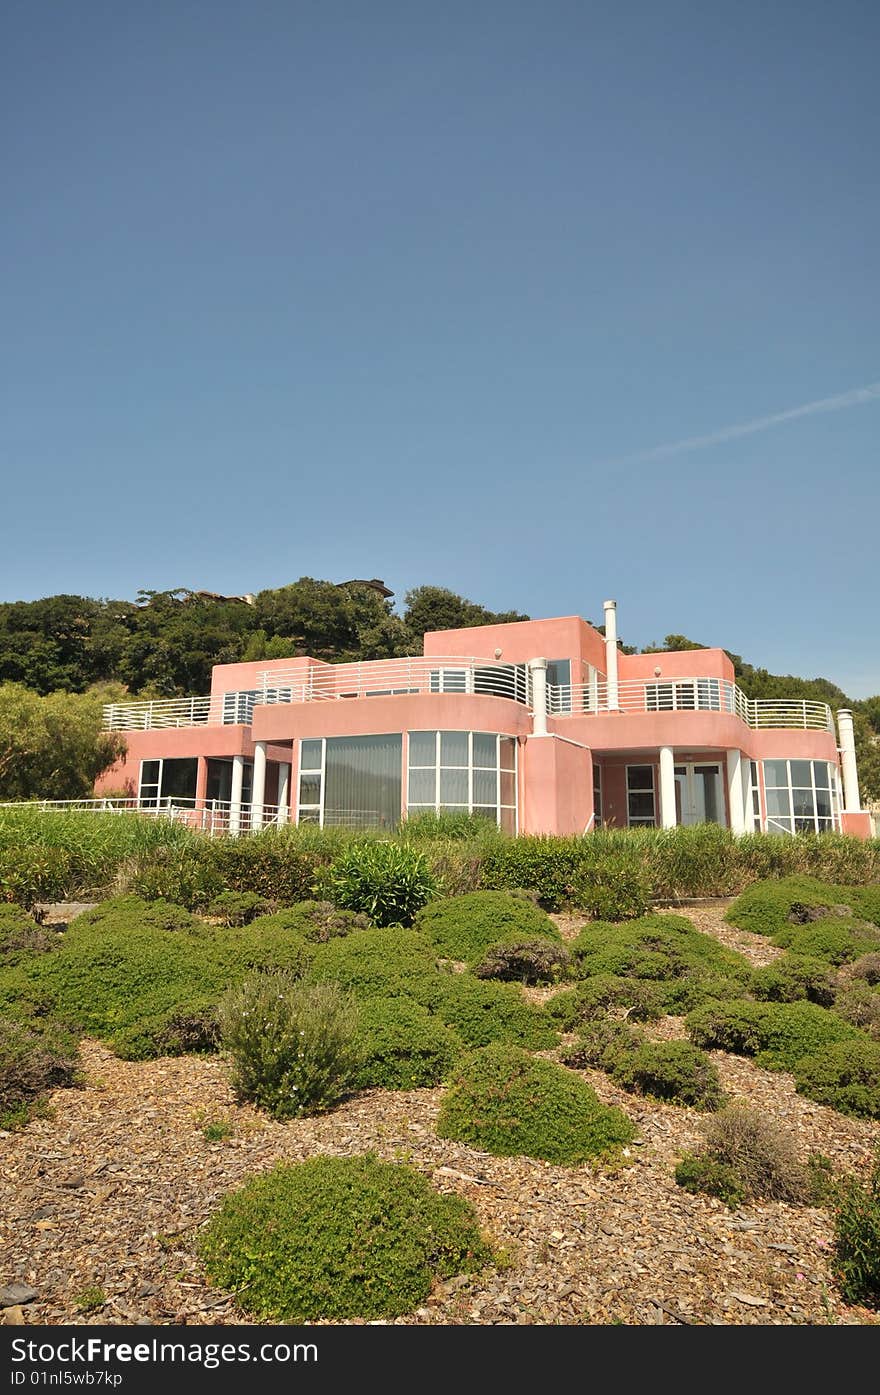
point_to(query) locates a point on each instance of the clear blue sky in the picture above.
(342, 289)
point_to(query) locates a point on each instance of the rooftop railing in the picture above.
(689, 695)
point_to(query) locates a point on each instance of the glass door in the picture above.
(699, 797)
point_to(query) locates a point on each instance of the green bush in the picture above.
(835, 941)
(664, 949)
(294, 1046)
(518, 960)
(772, 906)
(844, 1075)
(21, 936)
(189, 875)
(616, 888)
(856, 1210)
(504, 1101)
(545, 865)
(747, 1157)
(602, 1044)
(456, 827)
(389, 882)
(37, 1054)
(133, 912)
(385, 963)
(178, 1031)
(779, 1035)
(238, 907)
(463, 928)
(859, 1004)
(31, 874)
(867, 967)
(339, 1238)
(669, 1070)
(638, 1000)
(314, 921)
(402, 1046)
(482, 1012)
(792, 978)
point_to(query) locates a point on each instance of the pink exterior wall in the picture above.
(568, 637)
(718, 731)
(557, 786)
(414, 712)
(683, 663)
(172, 743)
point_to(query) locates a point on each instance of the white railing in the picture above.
(689, 695)
(163, 712)
(395, 677)
(213, 816)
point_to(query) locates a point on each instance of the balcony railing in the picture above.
(393, 677)
(689, 695)
(214, 816)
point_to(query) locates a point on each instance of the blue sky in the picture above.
(415, 291)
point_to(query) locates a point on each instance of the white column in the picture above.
(610, 608)
(235, 795)
(667, 787)
(594, 687)
(748, 803)
(851, 801)
(258, 794)
(283, 793)
(538, 669)
(735, 792)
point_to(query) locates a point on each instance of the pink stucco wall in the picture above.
(684, 663)
(557, 786)
(567, 637)
(414, 712)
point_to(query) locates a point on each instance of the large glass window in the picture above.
(597, 795)
(800, 796)
(168, 782)
(470, 772)
(351, 780)
(559, 685)
(641, 807)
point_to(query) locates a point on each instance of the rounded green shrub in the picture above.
(389, 882)
(314, 921)
(835, 941)
(779, 1035)
(856, 1211)
(294, 1046)
(238, 907)
(772, 906)
(504, 1101)
(21, 936)
(463, 928)
(602, 1044)
(517, 960)
(669, 1070)
(859, 1004)
(844, 1075)
(615, 887)
(698, 1172)
(339, 1238)
(639, 1000)
(664, 949)
(482, 1012)
(793, 978)
(403, 1046)
(135, 913)
(37, 1054)
(387, 963)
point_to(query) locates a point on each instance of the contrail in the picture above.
(855, 397)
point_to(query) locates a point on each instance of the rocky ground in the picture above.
(101, 1202)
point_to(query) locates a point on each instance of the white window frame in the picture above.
(832, 790)
(311, 770)
(641, 823)
(438, 807)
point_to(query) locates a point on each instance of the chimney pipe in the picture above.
(849, 769)
(610, 608)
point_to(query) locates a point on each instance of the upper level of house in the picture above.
(556, 669)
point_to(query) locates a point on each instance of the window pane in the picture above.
(508, 752)
(310, 755)
(559, 672)
(310, 789)
(150, 772)
(485, 787)
(485, 750)
(423, 748)
(775, 772)
(453, 787)
(422, 787)
(778, 825)
(641, 806)
(801, 774)
(802, 801)
(508, 820)
(454, 748)
(486, 811)
(309, 816)
(640, 777)
(823, 803)
(778, 803)
(508, 787)
(825, 825)
(363, 780)
(179, 778)
(753, 767)
(804, 826)
(820, 769)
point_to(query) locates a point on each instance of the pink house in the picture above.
(542, 726)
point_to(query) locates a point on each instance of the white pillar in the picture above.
(283, 793)
(667, 787)
(851, 801)
(258, 794)
(235, 795)
(594, 687)
(735, 792)
(538, 669)
(748, 802)
(610, 608)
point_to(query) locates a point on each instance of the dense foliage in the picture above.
(856, 1207)
(339, 1238)
(464, 927)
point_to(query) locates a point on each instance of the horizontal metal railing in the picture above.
(393, 677)
(215, 816)
(689, 695)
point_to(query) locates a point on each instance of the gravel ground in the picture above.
(109, 1191)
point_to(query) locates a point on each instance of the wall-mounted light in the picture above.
(498, 653)
(657, 671)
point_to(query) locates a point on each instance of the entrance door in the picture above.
(699, 797)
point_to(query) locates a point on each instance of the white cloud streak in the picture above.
(855, 397)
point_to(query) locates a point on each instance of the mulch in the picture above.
(110, 1190)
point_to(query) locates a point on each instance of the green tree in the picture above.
(52, 747)
(436, 608)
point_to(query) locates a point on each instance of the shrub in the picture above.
(779, 1035)
(844, 1075)
(314, 921)
(867, 967)
(482, 1012)
(546, 865)
(134, 911)
(386, 963)
(389, 882)
(456, 827)
(339, 1238)
(770, 906)
(37, 1054)
(615, 888)
(835, 941)
(602, 1044)
(465, 927)
(269, 863)
(667, 950)
(747, 1156)
(525, 961)
(294, 1046)
(637, 1000)
(792, 978)
(859, 1004)
(669, 1070)
(189, 875)
(34, 873)
(504, 1101)
(177, 1031)
(402, 1046)
(237, 907)
(21, 936)
(856, 1210)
